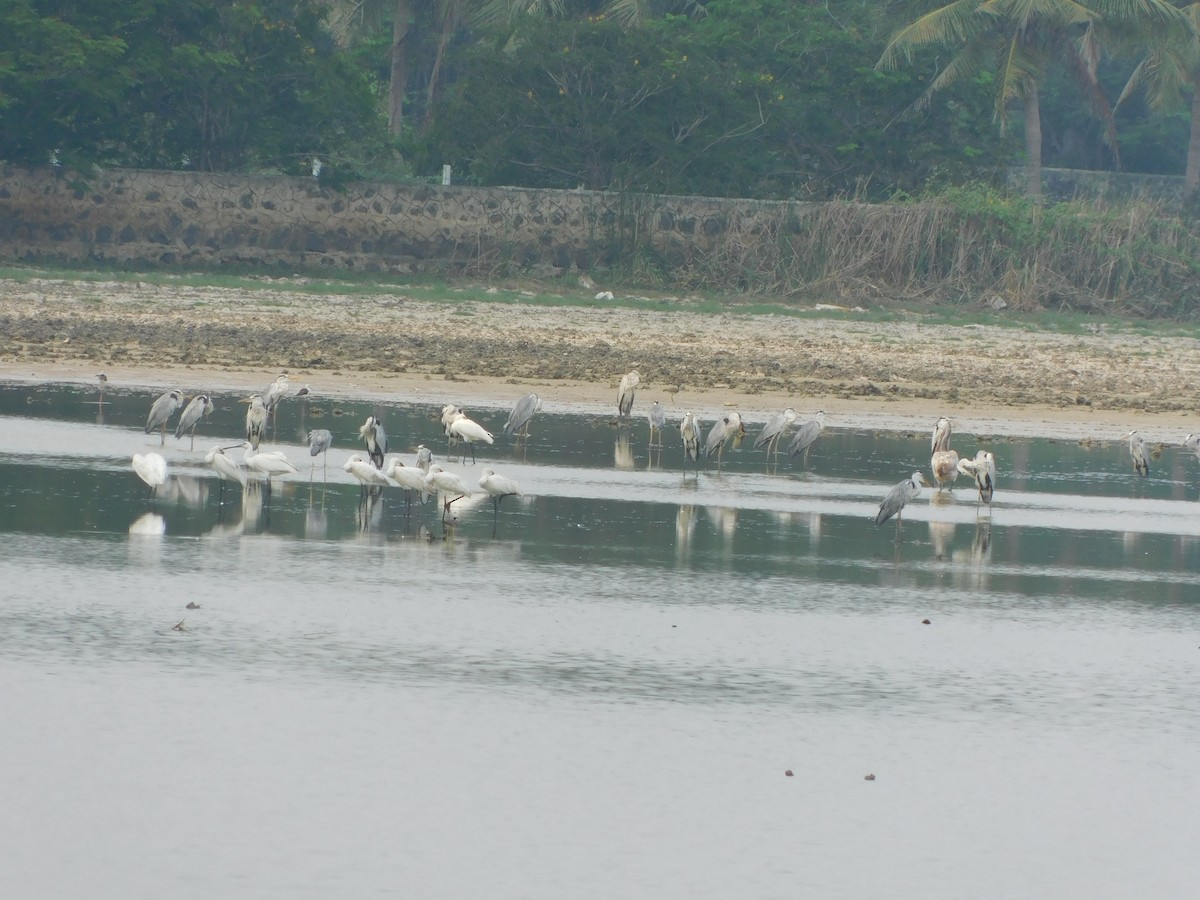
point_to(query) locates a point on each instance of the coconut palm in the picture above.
(1020, 40)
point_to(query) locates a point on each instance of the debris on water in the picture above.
(192, 604)
(868, 777)
(926, 622)
(179, 626)
(788, 773)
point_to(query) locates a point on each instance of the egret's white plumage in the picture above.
(499, 486)
(161, 410)
(983, 469)
(270, 463)
(625, 392)
(447, 483)
(408, 477)
(1192, 442)
(151, 468)
(364, 472)
(897, 498)
(470, 431)
(197, 409)
(522, 413)
(225, 467)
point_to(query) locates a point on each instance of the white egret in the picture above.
(448, 483)
(226, 468)
(499, 487)
(657, 417)
(625, 392)
(727, 427)
(376, 440)
(161, 410)
(897, 498)
(199, 407)
(410, 478)
(983, 469)
(522, 413)
(319, 442)
(152, 469)
(1139, 453)
(689, 431)
(365, 474)
(270, 463)
(256, 419)
(806, 435)
(1192, 442)
(470, 431)
(774, 430)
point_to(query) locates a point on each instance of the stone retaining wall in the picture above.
(196, 219)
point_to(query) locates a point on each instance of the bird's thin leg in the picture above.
(163, 434)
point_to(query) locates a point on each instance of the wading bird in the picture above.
(449, 413)
(449, 484)
(625, 392)
(275, 392)
(319, 442)
(774, 430)
(270, 463)
(226, 468)
(944, 461)
(1192, 442)
(522, 413)
(806, 435)
(657, 417)
(103, 379)
(728, 427)
(200, 407)
(1141, 456)
(161, 410)
(983, 469)
(376, 440)
(499, 487)
(469, 431)
(424, 458)
(897, 498)
(256, 419)
(365, 474)
(408, 477)
(152, 469)
(689, 431)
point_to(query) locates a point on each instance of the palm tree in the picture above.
(1169, 69)
(1020, 40)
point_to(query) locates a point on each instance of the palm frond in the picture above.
(955, 23)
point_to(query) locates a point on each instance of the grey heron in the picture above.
(161, 410)
(275, 392)
(897, 498)
(774, 430)
(723, 430)
(806, 435)
(689, 431)
(375, 438)
(256, 419)
(522, 413)
(199, 407)
(469, 431)
(625, 392)
(983, 469)
(1139, 453)
(447, 483)
(657, 417)
(319, 442)
(152, 469)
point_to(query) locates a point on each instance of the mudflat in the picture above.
(989, 378)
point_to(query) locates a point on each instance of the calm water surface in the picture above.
(596, 692)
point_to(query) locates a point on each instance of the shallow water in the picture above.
(596, 691)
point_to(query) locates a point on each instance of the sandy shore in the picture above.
(990, 380)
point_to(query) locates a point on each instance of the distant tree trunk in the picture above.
(1033, 141)
(1191, 177)
(399, 74)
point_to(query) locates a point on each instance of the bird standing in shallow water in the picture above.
(522, 414)
(774, 430)
(657, 417)
(689, 432)
(806, 435)
(897, 498)
(376, 440)
(226, 468)
(200, 407)
(161, 410)
(983, 469)
(1139, 453)
(256, 419)
(728, 427)
(625, 392)
(944, 461)
(319, 442)
(469, 431)
(152, 469)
